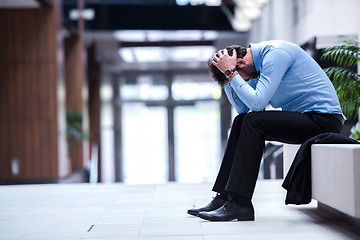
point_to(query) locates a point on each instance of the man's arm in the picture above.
(274, 66)
(234, 99)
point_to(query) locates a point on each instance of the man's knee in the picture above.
(239, 118)
(254, 119)
(250, 117)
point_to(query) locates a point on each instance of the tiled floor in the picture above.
(154, 212)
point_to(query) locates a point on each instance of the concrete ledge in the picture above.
(289, 153)
(336, 177)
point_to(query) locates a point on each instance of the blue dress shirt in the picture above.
(289, 79)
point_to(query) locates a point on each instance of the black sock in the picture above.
(223, 196)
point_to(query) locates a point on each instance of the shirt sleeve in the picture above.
(274, 66)
(235, 101)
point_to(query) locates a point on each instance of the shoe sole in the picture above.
(216, 219)
(246, 219)
(193, 213)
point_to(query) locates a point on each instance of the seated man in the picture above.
(279, 73)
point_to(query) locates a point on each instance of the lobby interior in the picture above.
(111, 127)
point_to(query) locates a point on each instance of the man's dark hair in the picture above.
(215, 73)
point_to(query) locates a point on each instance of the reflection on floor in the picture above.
(154, 212)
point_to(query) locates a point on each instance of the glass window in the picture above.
(197, 134)
(190, 87)
(199, 54)
(144, 144)
(144, 87)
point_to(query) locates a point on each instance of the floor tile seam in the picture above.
(19, 238)
(171, 235)
(146, 213)
(93, 224)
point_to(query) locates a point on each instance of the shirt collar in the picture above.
(255, 50)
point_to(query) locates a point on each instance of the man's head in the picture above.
(244, 65)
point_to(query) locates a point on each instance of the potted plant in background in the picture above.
(75, 134)
(355, 131)
(345, 78)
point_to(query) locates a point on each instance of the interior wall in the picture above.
(299, 21)
(75, 83)
(32, 96)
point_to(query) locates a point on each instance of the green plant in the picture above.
(346, 81)
(355, 131)
(75, 134)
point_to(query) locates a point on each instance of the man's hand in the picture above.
(222, 60)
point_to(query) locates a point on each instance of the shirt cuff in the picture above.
(237, 81)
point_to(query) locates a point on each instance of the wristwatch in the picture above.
(229, 72)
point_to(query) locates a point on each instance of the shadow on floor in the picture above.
(333, 222)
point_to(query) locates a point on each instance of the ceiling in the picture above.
(155, 35)
(150, 34)
(19, 4)
(153, 15)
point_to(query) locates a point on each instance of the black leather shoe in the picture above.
(229, 211)
(216, 203)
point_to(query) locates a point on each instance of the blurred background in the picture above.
(118, 90)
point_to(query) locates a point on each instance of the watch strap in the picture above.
(229, 72)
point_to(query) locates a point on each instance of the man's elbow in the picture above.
(257, 108)
(257, 104)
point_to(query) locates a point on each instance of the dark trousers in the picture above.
(241, 162)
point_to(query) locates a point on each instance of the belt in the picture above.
(334, 115)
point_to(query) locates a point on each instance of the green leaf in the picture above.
(345, 81)
(355, 132)
(347, 55)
